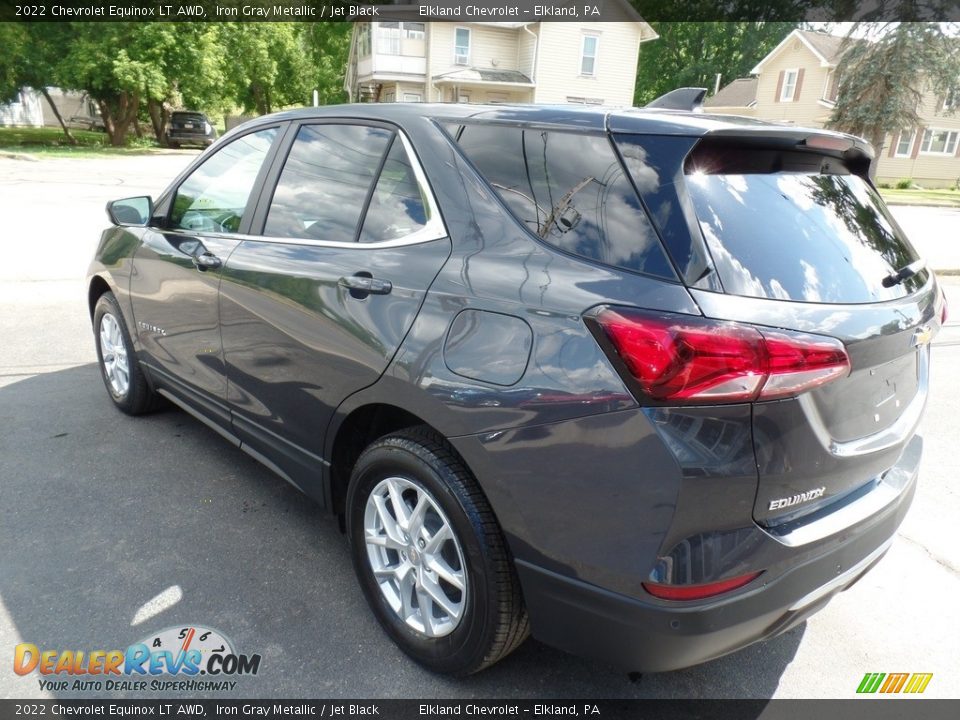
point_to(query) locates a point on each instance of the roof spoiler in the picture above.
(688, 98)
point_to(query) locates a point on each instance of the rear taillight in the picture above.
(681, 358)
(698, 592)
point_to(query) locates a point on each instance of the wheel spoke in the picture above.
(431, 588)
(384, 541)
(415, 521)
(425, 601)
(405, 586)
(106, 347)
(399, 506)
(446, 573)
(388, 522)
(439, 537)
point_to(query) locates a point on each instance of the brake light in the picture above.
(697, 592)
(689, 359)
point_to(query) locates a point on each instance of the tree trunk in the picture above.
(118, 115)
(159, 117)
(876, 139)
(66, 131)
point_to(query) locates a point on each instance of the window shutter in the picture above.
(796, 88)
(779, 86)
(894, 140)
(916, 145)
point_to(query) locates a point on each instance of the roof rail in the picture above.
(687, 98)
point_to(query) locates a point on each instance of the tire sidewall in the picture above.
(463, 648)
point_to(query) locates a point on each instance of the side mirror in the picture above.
(130, 211)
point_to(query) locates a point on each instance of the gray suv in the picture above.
(642, 383)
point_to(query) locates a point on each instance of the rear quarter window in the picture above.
(568, 189)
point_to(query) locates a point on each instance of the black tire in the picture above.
(138, 398)
(493, 622)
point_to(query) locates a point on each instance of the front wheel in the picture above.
(119, 367)
(430, 556)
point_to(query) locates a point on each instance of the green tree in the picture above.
(884, 73)
(690, 54)
(98, 60)
(176, 65)
(31, 57)
(269, 65)
(328, 46)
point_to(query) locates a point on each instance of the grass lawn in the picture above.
(940, 198)
(48, 141)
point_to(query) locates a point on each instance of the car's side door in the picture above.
(176, 271)
(315, 308)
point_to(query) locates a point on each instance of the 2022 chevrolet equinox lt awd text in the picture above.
(644, 383)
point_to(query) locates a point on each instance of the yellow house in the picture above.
(510, 62)
(796, 83)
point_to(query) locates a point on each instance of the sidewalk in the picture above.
(934, 232)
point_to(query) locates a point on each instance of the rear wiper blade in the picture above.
(908, 271)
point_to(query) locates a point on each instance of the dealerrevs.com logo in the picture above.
(177, 652)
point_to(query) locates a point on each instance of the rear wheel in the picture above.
(121, 372)
(430, 556)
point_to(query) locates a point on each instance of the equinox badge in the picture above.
(797, 499)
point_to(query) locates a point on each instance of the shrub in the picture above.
(904, 184)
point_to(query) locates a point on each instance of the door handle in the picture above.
(206, 261)
(362, 285)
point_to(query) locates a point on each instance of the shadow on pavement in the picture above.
(100, 513)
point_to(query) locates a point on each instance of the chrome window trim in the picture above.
(435, 229)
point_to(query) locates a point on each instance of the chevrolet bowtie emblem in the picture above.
(922, 335)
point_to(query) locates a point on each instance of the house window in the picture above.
(588, 55)
(364, 39)
(388, 38)
(461, 46)
(831, 86)
(414, 30)
(789, 85)
(939, 142)
(389, 97)
(412, 97)
(463, 97)
(950, 101)
(905, 143)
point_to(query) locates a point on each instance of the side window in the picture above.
(214, 196)
(325, 182)
(397, 207)
(571, 191)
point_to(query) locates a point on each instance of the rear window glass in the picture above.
(803, 235)
(570, 190)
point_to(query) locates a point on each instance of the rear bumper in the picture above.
(654, 635)
(191, 138)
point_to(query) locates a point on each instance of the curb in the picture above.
(923, 204)
(950, 272)
(18, 156)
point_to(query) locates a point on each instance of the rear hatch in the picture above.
(793, 237)
(188, 123)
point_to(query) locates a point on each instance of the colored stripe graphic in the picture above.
(894, 682)
(918, 683)
(870, 682)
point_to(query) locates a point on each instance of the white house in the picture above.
(516, 62)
